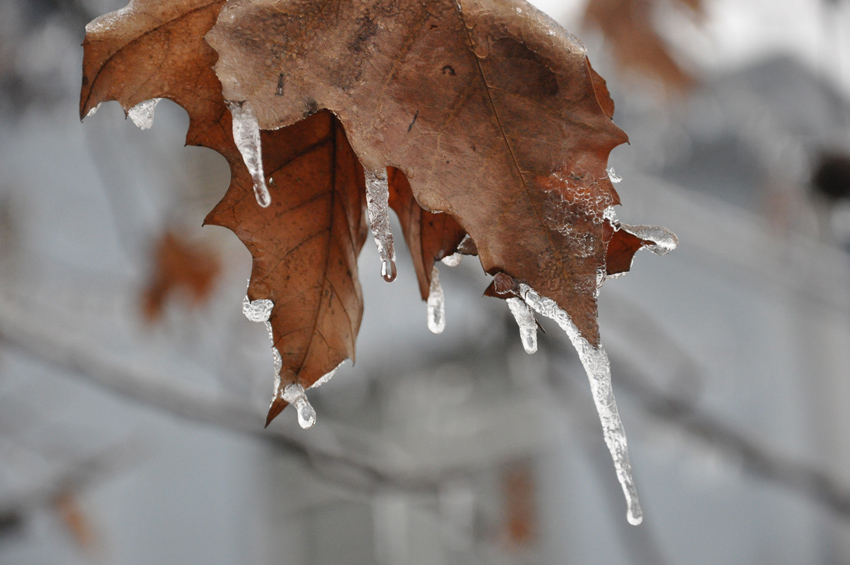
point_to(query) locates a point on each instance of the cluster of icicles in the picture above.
(246, 133)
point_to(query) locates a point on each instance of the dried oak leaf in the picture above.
(305, 245)
(487, 106)
(178, 266)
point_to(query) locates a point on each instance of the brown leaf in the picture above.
(179, 266)
(628, 26)
(487, 106)
(430, 237)
(305, 245)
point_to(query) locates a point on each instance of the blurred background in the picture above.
(133, 391)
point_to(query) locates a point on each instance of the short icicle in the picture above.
(524, 317)
(142, 113)
(246, 134)
(377, 202)
(295, 395)
(436, 304)
(598, 369)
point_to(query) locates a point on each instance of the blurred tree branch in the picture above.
(70, 352)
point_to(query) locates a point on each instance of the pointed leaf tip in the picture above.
(276, 407)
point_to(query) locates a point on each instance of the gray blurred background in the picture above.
(131, 417)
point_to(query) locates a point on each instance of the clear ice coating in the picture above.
(598, 369)
(257, 310)
(436, 304)
(295, 395)
(142, 113)
(615, 178)
(663, 239)
(278, 362)
(524, 317)
(378, 204)
(246, 134)
(452, 260)
(260, 311)
(326, 377)
(94, 110)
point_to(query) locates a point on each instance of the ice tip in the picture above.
(388, 270)
(635, 517)
(264, 198)
(306, 415)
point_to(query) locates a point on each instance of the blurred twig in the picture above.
(79, 475)
(69, 351)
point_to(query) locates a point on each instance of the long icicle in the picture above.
(246, 134)
(377, 202)
(598, 369)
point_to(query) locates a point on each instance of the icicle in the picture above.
(524, 317)
(257, 310)
(377, 201)
(436, 304)
(664, 240)
(598, 369)
(452, 260)
(246, 134)
(615, 178)
(94, 110)
(142, 113)
(326, 377)
(294, 394)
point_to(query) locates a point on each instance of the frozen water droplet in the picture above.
(326, 377)
(246, 134)
(257, 310)
(598, 369)
(142, 113)
(612, 174)
(663, 239)
(306, 413)
(524, 317)
(436, 304)
(452, 260)
(388, 271)
(377, 202)
(94, 110)
(294, 394)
